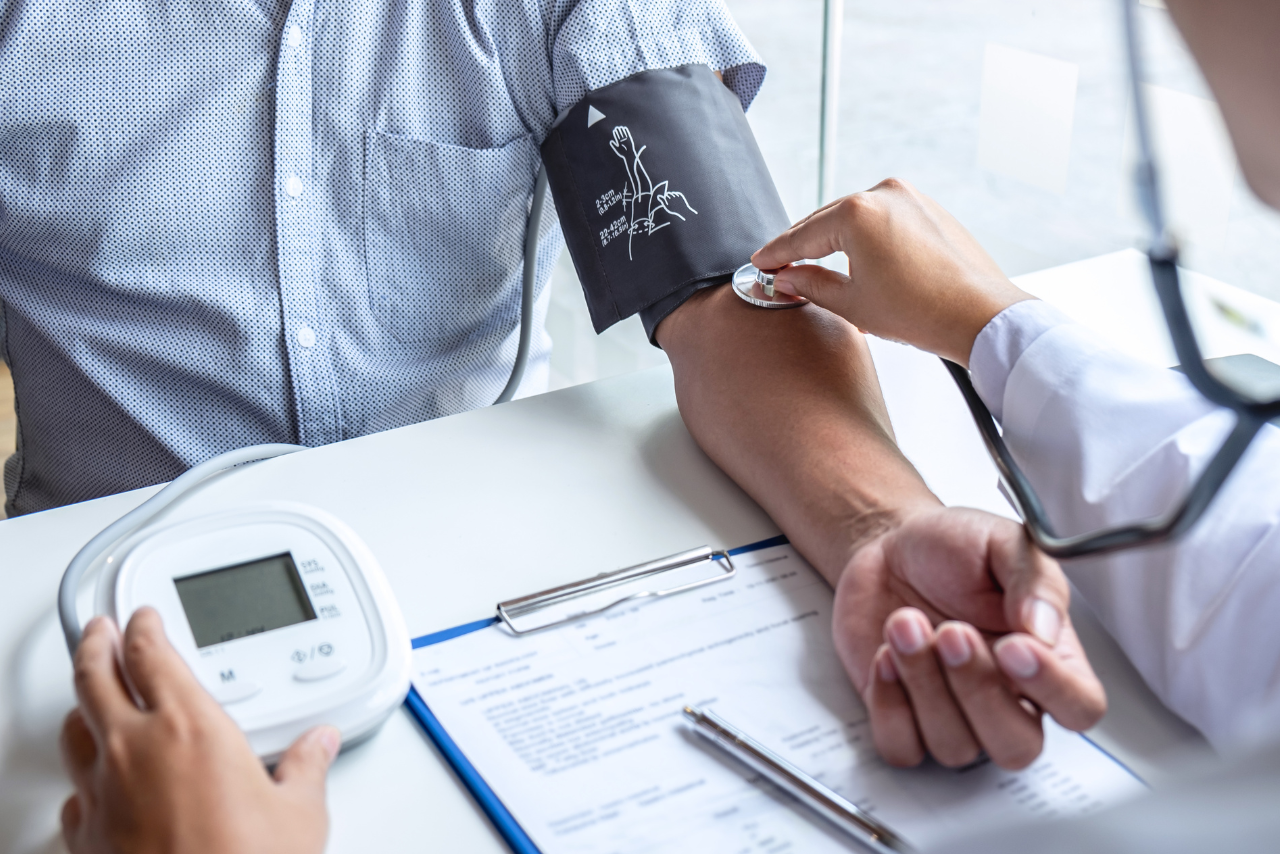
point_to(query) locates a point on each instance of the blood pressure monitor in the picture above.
(281, 611)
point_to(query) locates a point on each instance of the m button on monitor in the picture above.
(230, 688)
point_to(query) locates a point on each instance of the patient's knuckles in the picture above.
(1094, 711)
(1017, 753)
(900, 753)
(955, 754)
(1082, 710)
(893, 732)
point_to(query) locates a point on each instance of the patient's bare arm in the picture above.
(946, 619)
(787, 402)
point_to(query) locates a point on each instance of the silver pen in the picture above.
(856, 822)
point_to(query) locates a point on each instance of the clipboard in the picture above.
(518, 611)
(775, 606)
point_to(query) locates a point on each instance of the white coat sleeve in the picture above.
(1106, 440)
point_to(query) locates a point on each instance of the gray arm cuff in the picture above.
(661, 191)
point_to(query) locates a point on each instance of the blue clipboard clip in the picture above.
(586, 598)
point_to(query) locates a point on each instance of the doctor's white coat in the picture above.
(1105, 440)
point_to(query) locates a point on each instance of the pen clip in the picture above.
(849, 817)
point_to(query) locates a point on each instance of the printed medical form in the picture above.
(578, 729)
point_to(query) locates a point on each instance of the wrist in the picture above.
(787, 404)
(987, 304)
(871, 526)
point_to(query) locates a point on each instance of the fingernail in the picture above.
(905, 634)
(782, 285)
(1044, 621)
(331, 740)
(953, 646)
(1017, 658)
(885, 669)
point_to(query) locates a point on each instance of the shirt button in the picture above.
(293, 186)
(306, 336)
(295, 35)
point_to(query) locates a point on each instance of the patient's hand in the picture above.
(787, 403)
(948, 625)
(177, 775)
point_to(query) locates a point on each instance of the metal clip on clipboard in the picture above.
(591, 596)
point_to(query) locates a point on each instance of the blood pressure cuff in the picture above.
(661, 191)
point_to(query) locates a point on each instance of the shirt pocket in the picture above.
(444, 238)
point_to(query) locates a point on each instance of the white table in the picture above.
(480, 507)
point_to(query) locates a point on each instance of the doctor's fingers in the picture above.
(1058, 680)
(79, 751)
(942, 725)
(1006, 729)
(158, 673)
(104, 701)
(816, 236)
(833, 291)
(72, 819)
(861, 221)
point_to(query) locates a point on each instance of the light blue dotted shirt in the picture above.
(225, 222)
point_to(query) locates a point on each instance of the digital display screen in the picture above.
(245, 599)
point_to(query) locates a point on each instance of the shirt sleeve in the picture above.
(604, 41)
(1107, 440)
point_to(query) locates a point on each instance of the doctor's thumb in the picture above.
(824, 287)
(306, 762)
(1037, 595)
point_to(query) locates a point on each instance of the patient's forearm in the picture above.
(788, 404)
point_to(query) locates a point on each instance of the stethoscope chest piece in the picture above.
(756, 287)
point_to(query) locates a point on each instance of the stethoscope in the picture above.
(533, 227)
(756, 287)
(1251, 414)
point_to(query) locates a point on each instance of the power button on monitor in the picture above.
(320, 667)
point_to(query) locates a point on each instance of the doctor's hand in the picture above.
(177, 774)
(955, 631)
(915, 274)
